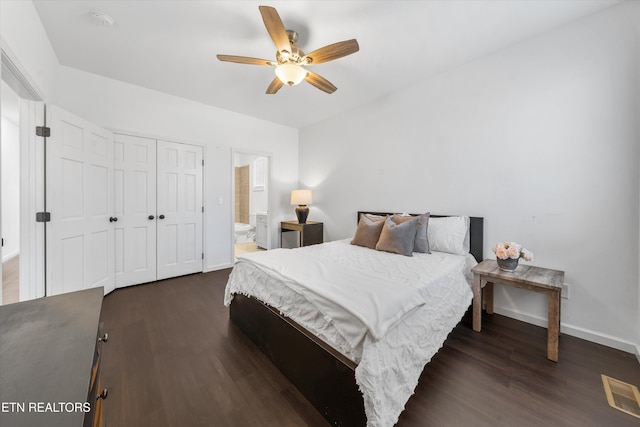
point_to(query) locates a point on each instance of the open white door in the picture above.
(80, 239)
(179, 209)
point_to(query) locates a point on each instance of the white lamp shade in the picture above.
(301, 197)
(290, 74)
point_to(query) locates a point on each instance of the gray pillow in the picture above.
(422, 242)
(368, 231)
(398, 238)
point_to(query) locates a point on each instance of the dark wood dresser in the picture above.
(50, 361)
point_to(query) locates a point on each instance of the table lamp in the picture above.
(302, 198)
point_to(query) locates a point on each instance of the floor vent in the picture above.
(622, 396)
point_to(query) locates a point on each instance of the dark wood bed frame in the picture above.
(322, 374)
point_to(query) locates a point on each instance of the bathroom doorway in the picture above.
(251, 202)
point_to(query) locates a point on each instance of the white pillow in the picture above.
(449, 234)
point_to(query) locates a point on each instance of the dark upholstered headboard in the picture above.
(476, 231)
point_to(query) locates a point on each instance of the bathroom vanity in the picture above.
(262, 230)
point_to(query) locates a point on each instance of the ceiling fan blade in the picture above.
(274, 86)
(320, 82)
(333, 51)
(244, 60)
(275, 28)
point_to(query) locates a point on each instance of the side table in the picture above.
(311, 232)
(536, 279)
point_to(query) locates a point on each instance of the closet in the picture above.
(122, 210)
(158, 206)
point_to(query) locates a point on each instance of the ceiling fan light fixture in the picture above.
(290, 59)
(290, 74)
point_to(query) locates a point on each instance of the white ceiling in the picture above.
(170, 46)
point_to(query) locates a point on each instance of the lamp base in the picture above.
(302, 212)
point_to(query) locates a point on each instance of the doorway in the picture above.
(10, 170)
(251, 202)
(23, 257)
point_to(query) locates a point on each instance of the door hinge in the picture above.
(3, 242)
(203, 209)
(43, 216)
(202, 255)
(202, 162)
(43, 131)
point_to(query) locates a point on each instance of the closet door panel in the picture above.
(80, 246)
(135, 207)
(179, 209)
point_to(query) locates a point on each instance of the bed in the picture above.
(353, 378)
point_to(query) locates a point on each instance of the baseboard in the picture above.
(217, 267)
(575, 331)
(638, 352)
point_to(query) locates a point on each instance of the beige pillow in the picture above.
(422, 242)
(398, 238)
(368, 231)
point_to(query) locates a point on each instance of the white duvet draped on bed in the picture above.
(356, 301)
(427, 295)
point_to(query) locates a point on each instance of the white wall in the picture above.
(540, 139)
(10, 191)
(638, 101)
(136, 110)
(25, 40)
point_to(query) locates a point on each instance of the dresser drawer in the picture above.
(97, 394)
(98, 417)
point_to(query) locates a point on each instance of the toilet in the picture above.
(245, 233)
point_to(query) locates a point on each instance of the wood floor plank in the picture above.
(174, 359)
(11, 280)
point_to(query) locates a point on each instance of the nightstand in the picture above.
(536, 279)
(311, 232)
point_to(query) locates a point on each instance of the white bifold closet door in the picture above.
(158, 203)
(179, 208)
(79, 196)
(135, 208)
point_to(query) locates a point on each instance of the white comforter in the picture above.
(391, 359)
(354, 300)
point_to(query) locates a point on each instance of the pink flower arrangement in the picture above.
(505, 250)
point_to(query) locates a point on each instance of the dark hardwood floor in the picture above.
(173, 359)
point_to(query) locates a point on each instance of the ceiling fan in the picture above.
(290, 59)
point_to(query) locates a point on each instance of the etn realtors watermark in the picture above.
(44, 407)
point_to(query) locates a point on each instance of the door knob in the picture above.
(151, 217)
(161, 217)
(113, 219)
